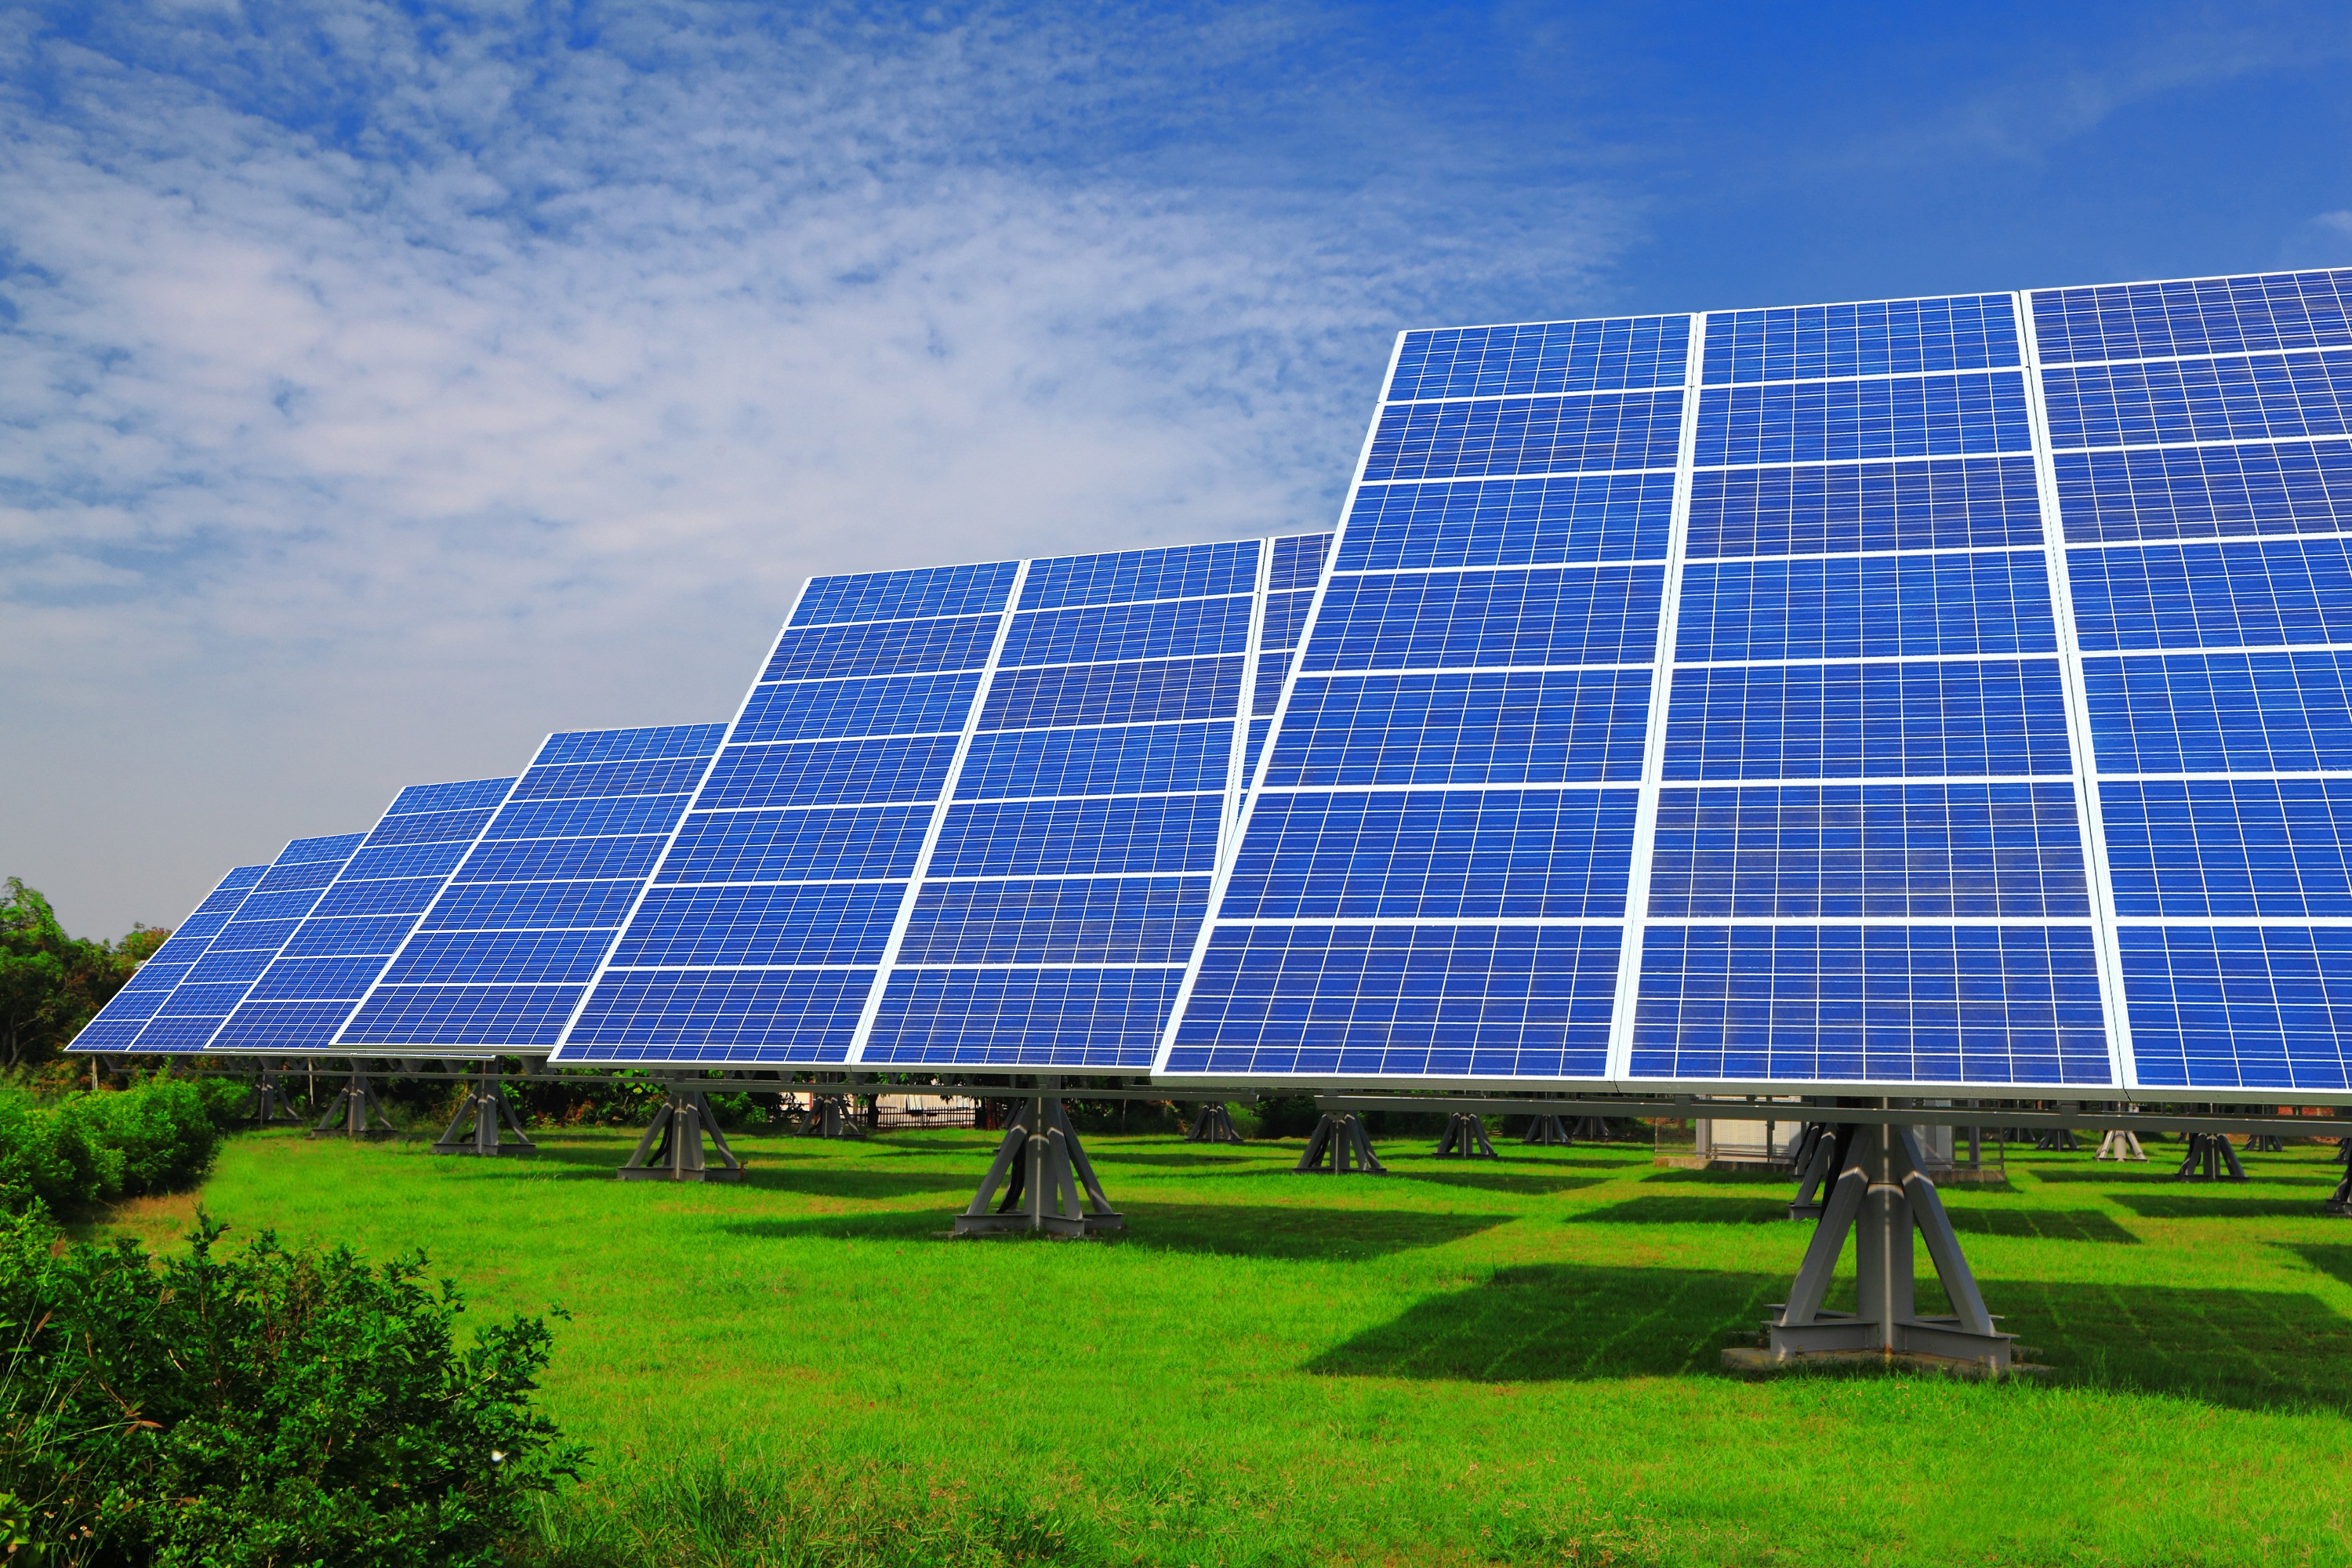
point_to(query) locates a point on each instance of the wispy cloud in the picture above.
(378, 392)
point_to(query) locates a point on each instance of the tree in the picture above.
(52, 983)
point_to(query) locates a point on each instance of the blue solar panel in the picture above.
(363, 915)
(499, 948)
(1015, 875)
(1777, 764)
(117, 1024)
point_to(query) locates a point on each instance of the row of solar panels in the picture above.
(964, 816)
(1927, 695)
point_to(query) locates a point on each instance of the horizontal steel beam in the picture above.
(1899, 1115)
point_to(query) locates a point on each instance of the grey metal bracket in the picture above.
(1880, 1196)
(483, 1114)
(2210, 1159)
(831, 1116)
(2265, 1143)
(1592, 1129)
(671, 1150)
(1549, 1131)
(1042, 1168)
(1340, 1145)
(2339, 1202)
(1819, 1155)
(1465, 1139)
(354, 1112)
(1212, 1124)
(2056, 1141)
(2121, 1145)
(265, 1103)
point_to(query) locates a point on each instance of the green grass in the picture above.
(1511, 1361)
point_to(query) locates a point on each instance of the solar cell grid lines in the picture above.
(118, 1025)
(966, 818)
(498, 948)
(1999, 708)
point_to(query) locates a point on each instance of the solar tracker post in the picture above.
(1340, 1145)
(1880, 1193)
(1213, 1124)
(263, 1107)
(2209, 1159)
(354, 1112)
(1042, 1167)
(483, 1113)
(2121, 1145)
(1549, 1131)
(671, 1150)
(1465, 1139)
(831, 1116)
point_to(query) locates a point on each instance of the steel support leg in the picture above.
(1592, 1129)
(1340, 1145)
(1549, 1131)
(2210, 1159)
(2339, 1202)
(1880, 1196)
(354, 1112)
(1213, 1123)
(831, 1116)
(1049, 1185)
(266, 1106)
(483, 1114)
(2265, 1143)
(671, 1150)
(2056, 1141)
(2121, 1145)
(1465, 1139)
(1819, 1155)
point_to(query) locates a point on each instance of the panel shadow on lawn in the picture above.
(2161, 1171)
(860, 1181)
(1676, 1210)
(1248, 1230)
(2215, 1205)
(1526, 1182)
(1118, 1157)
(1554, 1322)
(2042, 1225)
(1727, 1178)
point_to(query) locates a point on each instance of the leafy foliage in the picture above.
(52, 983)
(69, 1153)
(270, 1407)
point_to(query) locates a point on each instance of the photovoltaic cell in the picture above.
(117, 1026)
(507, 943)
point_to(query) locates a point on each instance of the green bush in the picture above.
(274, 1407)
(158, 1136)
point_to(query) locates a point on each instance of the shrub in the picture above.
(274, 1407)
(157, 1136)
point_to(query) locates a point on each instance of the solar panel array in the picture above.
(201, 996)
(119, 1024)
(1857, 830)
(533, 897)
(1935, 694)
(968, 816)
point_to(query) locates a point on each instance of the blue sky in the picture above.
(383, 386)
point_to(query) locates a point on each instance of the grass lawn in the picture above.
(1506, 1361)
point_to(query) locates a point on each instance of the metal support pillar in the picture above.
(1880, 1195)
(483, 1114)
(671, 1150)
(2210, 1159)
(1592, 1129)
(832, 1116)
(1042, 1169)
(1549, 1131)
(1340, 1144)
(1465, 1139)
(2265, 1143)
(2339, 1202)
(2343, 1155)
(2121, 1145)
(2056, 1141)
(265, 1105)
(1213, 1123)
(1818, 1157)
(354, 1112)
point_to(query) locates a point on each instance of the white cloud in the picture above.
(379, 395)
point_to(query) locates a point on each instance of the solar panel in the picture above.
(298, 1004)
(967, 817)
(118, 1025)
(258, 925)
(532, 895)
(1996, 737)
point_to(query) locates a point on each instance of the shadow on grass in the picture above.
(1235, 1230)
(2154, 1174)
(1562, 1323)
(1664, 1210)
(1176, 1162)
(2046, 1225)
(1493, 1181)
(2215, 1205)
(2334, 1261)
(1727, 1178)
(860, 1181)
